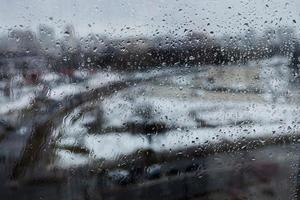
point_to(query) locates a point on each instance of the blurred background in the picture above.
(149, 100)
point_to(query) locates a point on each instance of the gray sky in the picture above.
(145, 17)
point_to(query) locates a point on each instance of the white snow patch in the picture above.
(111, 146)
(102, 78)
(21, 103)
(50, 77)
(62, 91)
(67, 159)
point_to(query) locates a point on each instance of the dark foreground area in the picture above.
(269, 172)
(186, 132)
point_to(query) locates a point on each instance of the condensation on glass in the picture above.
(149, 99)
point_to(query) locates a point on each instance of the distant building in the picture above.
(70, 51)
(47, 41)
(23, 42)
(70, 43)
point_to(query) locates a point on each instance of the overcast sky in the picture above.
(145, 17)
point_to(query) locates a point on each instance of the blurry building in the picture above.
(23, 42)
(47, 41)
(70, 51)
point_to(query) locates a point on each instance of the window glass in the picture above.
(141, 99)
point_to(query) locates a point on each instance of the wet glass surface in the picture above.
(149, 99)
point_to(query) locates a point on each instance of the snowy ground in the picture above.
(193, 113)
(195, 105)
